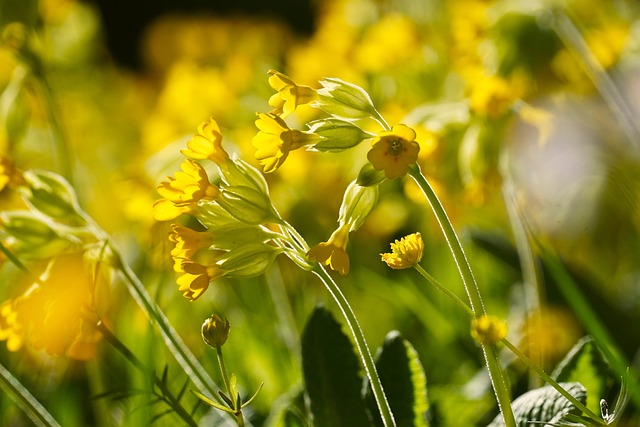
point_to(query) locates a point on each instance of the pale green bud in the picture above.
(357, 204)
(248, 260)
(215, 331)
(32, 236)
(345, 100)
(337, 135)
(368, 176)
(237, 172)
(231, 236)
(248, 205)
(52, 195)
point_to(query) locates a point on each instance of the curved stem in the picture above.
(361, 344)
(444, 289)
(494, 366)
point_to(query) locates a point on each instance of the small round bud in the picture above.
(215, 331)
(488, 329)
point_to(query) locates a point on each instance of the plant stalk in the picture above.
(361, 345)
(494, 366)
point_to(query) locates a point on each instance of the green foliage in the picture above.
(404, 382)
(331, 373)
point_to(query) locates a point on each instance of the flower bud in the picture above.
(357, 204)
(345, 100)
(488, 329)
(215, 331)
(249, 260)
(248, 205)
(337, 135)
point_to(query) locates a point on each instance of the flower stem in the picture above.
(223, 369)
(361, 345)
(178, 348)
(444, 289)
(494, 367)
(25, 400)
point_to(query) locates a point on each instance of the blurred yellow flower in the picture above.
(334, 251)
(289, 95)
(275, 140)
(491, 96)
(195, 278)
(10, 176)
(393, 151)
(488, 329)
(181, 192)
(55, 315)
(207, 144)
(405, 253)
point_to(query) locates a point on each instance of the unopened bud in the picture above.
(215, 331)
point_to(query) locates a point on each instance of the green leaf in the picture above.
(544, 405)
(404, 383)
(586, 364)
(290, 410)
(331, 373)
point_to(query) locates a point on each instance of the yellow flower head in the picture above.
(333, 252)
(10, 176)
(393, 151)
(275, 140)
(488, 329)
(289, 95)
(53, 314)
(183, 191)
(187, 242)
(207, 144)
(196, 278)
(405, 253)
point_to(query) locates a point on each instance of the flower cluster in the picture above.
(233, 232)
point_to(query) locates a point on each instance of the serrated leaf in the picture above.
(331, 373)
(544, 405)
(585, 364)
(404, 383)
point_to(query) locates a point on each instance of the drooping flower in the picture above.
(394, 151)
(334, 251)
(55, 314)
(195, 278)
(405, 253)
(275, 140)
(181, 192)
(289, 95)
(488, 329)
(207, 144)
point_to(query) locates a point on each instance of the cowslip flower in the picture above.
(333, 252)
(195, 277)
(207, 144)
(488, 329)
(289, 95)
(181, 192)
(405, 253)
(187, 242)
(275, 140)
(394, 151)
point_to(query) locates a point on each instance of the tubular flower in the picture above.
(289, 95)
(53, 315)
(187, 242)
(196, 278)
(488, 329)
(207, 144)
(182, 192)
(275, 140)
(393, 151)
(333, 252)
(405, 253)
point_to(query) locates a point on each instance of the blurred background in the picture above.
(526, 114)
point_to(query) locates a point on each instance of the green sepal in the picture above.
(248, 260)
(344, 100)
(336, 135)
(369, 176)
(52, 195)
(248, 205)
(237, 172)
(357, 204)
(34, 237)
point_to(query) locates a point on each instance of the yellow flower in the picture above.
(196, 278)
(491, 96)
(289, 95)
(333, 252)
(393, 151)
(53, 314)
(207, 144)
(181, 192)
(488, 329)
(405, 253)
(10, 176)
(187, 242)
(275, 140)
